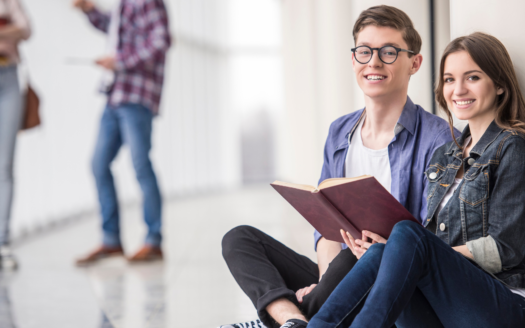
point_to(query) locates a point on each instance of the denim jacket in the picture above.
(487, 210)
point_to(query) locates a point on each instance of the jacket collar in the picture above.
(492, 132)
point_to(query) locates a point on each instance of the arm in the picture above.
(463, 250)
(326, 251)
(98, 19)
(19, 29)
(503, 247)
(157, 41)
(12, 32)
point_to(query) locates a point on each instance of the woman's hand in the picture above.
(360, 246)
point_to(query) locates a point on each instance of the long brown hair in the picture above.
(493, 59)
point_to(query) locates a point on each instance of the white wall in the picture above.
(501, 19)
(195, 138)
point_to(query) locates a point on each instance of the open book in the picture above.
(351, 204)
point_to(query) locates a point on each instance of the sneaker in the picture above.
(250, 324)
(295, 323)
(98, 254)
(7, 259)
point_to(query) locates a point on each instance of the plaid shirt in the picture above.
(141, 53)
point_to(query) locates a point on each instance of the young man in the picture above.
(391, 139)
(138, 39)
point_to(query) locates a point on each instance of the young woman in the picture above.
(466, 267)
(14, 27)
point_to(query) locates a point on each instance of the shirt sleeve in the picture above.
(325, 174)
(99, 20)
(19, 19)
(504, 248)
(157, 42)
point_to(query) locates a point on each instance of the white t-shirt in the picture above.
(361, 160)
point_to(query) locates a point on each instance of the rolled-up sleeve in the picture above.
(486, 254)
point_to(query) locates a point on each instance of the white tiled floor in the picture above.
(192, 288)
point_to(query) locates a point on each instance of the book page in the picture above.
(338, 181)
(295, 186)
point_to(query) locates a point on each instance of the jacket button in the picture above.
(471, 161)
(433, 175)
(442, 227)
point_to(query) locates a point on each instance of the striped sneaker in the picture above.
(250, 324)
(295, 323)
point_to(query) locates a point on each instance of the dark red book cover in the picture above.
(353, 206)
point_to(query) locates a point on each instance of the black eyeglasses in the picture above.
(387, 54)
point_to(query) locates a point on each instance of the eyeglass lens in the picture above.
(386, 54)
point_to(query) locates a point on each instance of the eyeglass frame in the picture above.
(379, 51)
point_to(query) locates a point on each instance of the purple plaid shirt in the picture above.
(144, 39)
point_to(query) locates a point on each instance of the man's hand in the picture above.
(303, 292)
(360, 246)
(107, 62)
(84, 5)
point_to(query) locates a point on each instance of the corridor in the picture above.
(192, 288)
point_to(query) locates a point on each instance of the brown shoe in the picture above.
(146, 253)
(98, 254)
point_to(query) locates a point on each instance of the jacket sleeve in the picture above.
(504, 248)
(158, 38)
(99, 20)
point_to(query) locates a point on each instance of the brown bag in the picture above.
(31, 115)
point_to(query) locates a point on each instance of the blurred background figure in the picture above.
(138, 39)
(14, 27)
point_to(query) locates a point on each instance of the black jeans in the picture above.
(267, 270)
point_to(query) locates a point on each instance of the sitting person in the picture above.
(392, 139)
(468, 263)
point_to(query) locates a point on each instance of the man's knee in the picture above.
(233, 238)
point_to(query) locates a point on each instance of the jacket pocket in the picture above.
(434, 175)
(475, 188)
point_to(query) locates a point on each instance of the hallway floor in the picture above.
(191, 288)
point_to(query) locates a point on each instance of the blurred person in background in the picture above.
(138, 39)
(14, 27)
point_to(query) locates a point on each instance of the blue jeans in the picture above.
(379, 290)
(11, 114)
(129, 124)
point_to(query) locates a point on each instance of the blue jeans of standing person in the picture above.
(11, 114)
(379, 289)
(129, 124)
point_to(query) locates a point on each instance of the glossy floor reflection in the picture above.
(192, 288)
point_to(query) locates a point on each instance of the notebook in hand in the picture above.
(351, 204)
